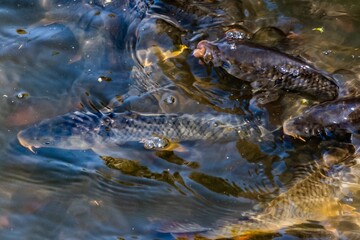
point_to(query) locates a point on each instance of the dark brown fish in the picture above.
(326, 119)
(267, 69)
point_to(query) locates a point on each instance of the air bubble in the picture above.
(235, 35)
(327, 52)
(22, 95)
(155, 143)
(283, 69)
(348, 199)
(170, 100)
(295, 72)
(104, 78)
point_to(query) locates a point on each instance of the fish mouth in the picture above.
(209, 53)
(205, 50)
(25, 143)
(200, 50)
(286, 127)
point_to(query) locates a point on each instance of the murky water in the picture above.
(64, 55)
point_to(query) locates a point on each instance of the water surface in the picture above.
(60, 56)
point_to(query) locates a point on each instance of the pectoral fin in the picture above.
(183, 230)
(355, 140)
(176, 147)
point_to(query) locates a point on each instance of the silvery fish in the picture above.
(266, 68)
(85, 130)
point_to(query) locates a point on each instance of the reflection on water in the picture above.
(114, 56)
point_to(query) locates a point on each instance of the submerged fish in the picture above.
(79, 130)
(314, 196)
(267, 69)
(327, 119)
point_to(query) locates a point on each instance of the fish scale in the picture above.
(182, 127)
(314, 197)
(269, 68)
(80, 130)
(337, 116)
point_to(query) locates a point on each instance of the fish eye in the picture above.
(107, 120)
(208, 57)
(306, 130)
(47, 141)
(226, 65)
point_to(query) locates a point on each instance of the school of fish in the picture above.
(315, 197)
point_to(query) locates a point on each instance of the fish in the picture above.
(313, 197)
(329, 119)
(85, 130)
(267, 69)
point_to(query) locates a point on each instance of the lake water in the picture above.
(58, 56)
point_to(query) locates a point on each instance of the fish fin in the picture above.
(168, 144)
(255, 234)
(354, 115)
(347, 209)
(243, 237)
(354, 186)
(344, 79)
(196, 231)
(174, 146)
(165, 55)
(183, 230)
(355, 140)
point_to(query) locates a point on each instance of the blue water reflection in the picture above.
(62, 56)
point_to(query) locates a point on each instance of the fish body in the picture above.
(267, 68)
(313, 197)
(80, 130)
(342, 115)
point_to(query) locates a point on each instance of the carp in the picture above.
(310, 197)
(85, 130)
(330, 119)
(267, 69)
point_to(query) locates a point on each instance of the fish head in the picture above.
(209, 52)
(301, 126)
(70, 131)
